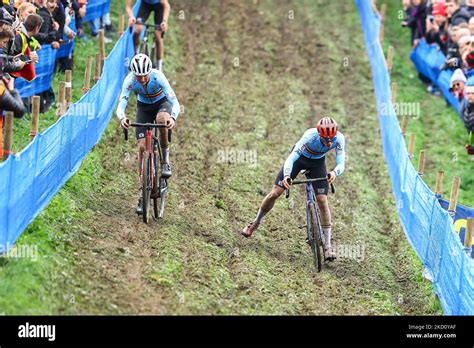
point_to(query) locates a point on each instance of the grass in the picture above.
(96, 258)
(438, 129)
(38, 284)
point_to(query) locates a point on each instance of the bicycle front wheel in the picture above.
(312, 228)
(146, 188)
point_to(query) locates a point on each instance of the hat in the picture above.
(458, 76)
(439, 9)
(470, 60)
(5, 17)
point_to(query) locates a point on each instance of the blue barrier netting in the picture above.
(30, 179)
(428, 226)
(96, 9)
(428, 59)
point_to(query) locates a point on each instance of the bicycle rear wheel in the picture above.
(146, 187)
(312, 228)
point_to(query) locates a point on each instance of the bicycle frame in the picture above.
(149, 170)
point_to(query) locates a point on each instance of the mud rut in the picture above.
(119, 252)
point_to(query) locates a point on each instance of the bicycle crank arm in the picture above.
(303, 226)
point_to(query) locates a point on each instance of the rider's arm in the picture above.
(166, 10)
(340, 154)
(295, 153)
(170, 95)
(130, 8)
(124, 96)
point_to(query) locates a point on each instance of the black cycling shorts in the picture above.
(146, 113)
(145, 10)
(316, 169)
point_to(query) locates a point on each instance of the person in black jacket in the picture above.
(49, 32)
(470, 7)
(467, 108)
(456, 13)
(10, 99)
(437, 27)
(416, 20)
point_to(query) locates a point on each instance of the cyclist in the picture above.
(309, 154)
(161, 9)
(156, 102)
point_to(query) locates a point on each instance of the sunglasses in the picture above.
(328, 140)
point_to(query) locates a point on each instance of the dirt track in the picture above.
(252, 79)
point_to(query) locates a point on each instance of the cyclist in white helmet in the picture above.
(157, 102)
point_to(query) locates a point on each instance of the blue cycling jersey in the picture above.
(156, 89)
(310, 146)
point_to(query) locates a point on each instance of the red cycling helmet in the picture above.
(327, 128)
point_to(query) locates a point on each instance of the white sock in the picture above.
(160, 65)
(166, 155)
(327, 236)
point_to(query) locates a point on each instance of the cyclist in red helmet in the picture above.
(309, 154)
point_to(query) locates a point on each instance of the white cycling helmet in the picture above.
(141, 65)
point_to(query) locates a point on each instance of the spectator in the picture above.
(456, 13)
(468, 108)
(416, 20)
(102, 23)
(470, 7)
(8, 65)
(437, 27)
(49, 33)
(10, 99)
(458, 82)
(24, 10)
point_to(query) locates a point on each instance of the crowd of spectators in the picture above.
(27, 25)
(450, 25)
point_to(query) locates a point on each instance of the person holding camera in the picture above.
(10, 99)
(437, 27)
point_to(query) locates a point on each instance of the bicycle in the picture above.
(154, 186)
(144, 47)
(313, 222)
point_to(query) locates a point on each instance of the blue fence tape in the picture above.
(96, 9)
(428, 226)
(30, 179)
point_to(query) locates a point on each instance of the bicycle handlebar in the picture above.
(144, 125)
(152, 26)
(307, 181)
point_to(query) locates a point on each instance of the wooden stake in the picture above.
(394, 92)
(87, 75)
(469, 233)
(390, 59)
(411, 145)
(421, 162)
(35, 111)
(102, 45)
(439, 183)
(98, 67)
(454, 195)
(404, 124)
(121, 25)
(7, 146)
(383, 11)
(62, 99)
(68, 88)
